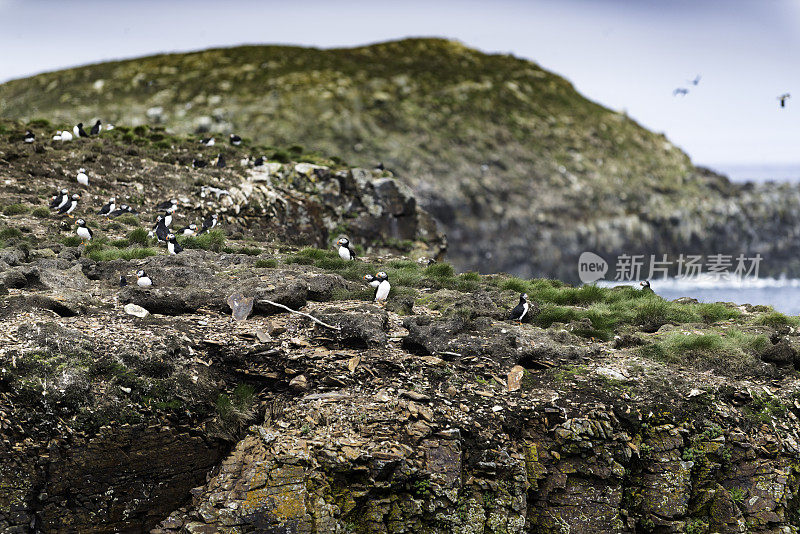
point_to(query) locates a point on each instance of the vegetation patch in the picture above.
(213, 240)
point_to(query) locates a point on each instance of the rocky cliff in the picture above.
(491, 144)
(125, 409)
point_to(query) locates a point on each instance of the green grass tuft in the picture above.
(109, 254)
(16, 209)
(213, 240)
(41, 212)
(776, 320)
(270, 263)
(139, 236)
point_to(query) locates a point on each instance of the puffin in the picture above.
(164, 206)
(346, 252)
(124, 208)
(168, 217)
(160, 229)
(520, 310)
(646, 286)
(382, 291)
(63, 136)
(83, 178)
(108, 208)
(60, 198)
(260, 160)
(207, 141)
(30, 137)
(172, 245)
(221, 161)
(96, 128)
(79, 131)
(783, 98)
(123, 281)
(208, 224)
(70, 206)
(83, 231)
(189, 230)
(371, 280)
(235, 140)
(198, 163)
(142, 280)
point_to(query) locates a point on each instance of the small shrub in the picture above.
(109, 254)
(776, 320)
(270, 263)
(41, 212)
(16, 209)
(139, 236)
(72, 241)
(213, 240)
(130, 219)
(8, 232)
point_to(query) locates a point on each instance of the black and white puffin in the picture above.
(79, 131)
(167, 204)
(783, 98)
(123, 209)
(96, 128)
(207, 141)
(260, 160)
(168, 217)
(520, 310)
(142, 280)
(123, 281)
(646, 286)
(189, 230)
(108, 208)
(82, 177)
(30, 137)
(160, 229)
(382, 291)
(235, 140)
(60, 198)
(371, 280)
(198, 163)
(346, 252)
(173, 247)
(70, 206)
(209, 223)
(83, 231)
(221, 161)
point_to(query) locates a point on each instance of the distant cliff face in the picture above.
(522, 171)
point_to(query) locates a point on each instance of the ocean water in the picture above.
(783, 294)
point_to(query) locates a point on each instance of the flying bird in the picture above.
(783, 98)
(696, 80)
(680, 91)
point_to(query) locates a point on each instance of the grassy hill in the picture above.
(492, 144)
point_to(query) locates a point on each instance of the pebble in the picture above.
(136, 310)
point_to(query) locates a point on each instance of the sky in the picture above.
(628, 55)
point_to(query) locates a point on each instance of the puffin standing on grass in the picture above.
(160, 229)
(30, 137)
(346, 252)
(520, 310)
(70, 206)
(142, 280)
(83, 231)
(646, 286)
(96, 128)
(208, 224)
(371, 280)
(189, 230)
(108, 208)
(78, 130)
(235, 140)
(382, 291)
(173, 247)
(60, 198)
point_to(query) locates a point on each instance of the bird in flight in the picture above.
(696, 80)
(783, 98)
(680, 91)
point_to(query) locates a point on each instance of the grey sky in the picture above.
(628, 55)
